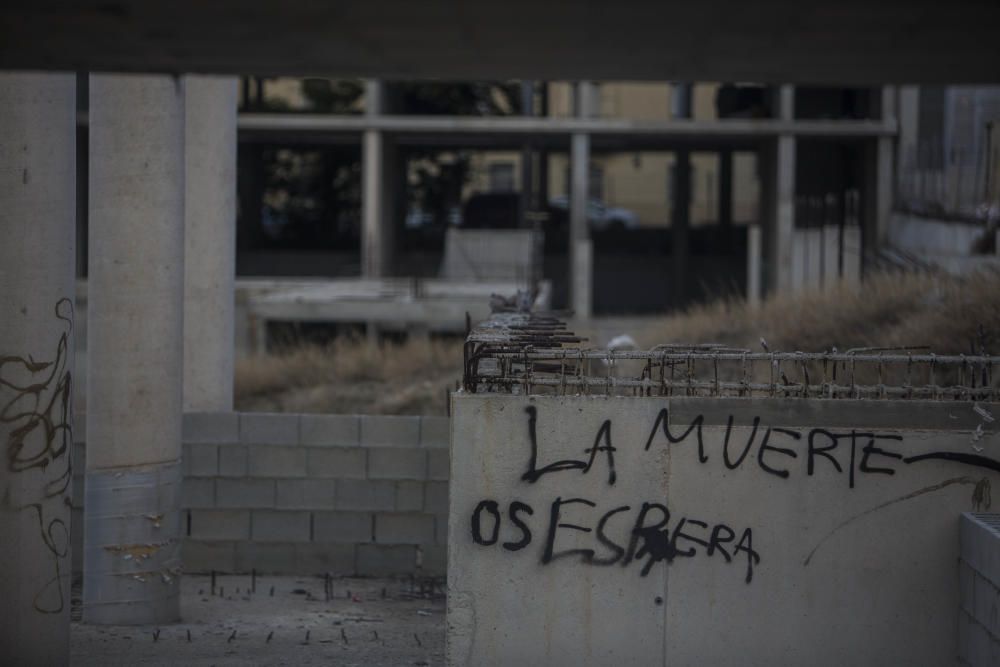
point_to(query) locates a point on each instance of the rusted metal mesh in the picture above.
(519, 353)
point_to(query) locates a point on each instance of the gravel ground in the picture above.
(365, 622)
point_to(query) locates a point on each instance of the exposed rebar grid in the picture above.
(522, 353)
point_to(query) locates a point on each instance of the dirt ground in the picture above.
(365, 622)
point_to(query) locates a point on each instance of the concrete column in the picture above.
(581, 256)
(725, 188)
(374, 235)
(581, 252)
(680, 224)
(885, 173)
(209, 242)
(135, 359)
(753, 265)
(783, 182)
(37, 288)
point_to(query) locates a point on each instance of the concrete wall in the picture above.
(943, 243)
(798, 532)
(307, 494)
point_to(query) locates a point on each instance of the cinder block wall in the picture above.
(979, 586)
(306, 494)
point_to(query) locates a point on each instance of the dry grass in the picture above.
(351, 376)
(948, 314)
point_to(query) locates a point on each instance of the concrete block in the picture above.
(966, 586)
(390, 431)
(214, 525)
(269, 429)
(314, 559)
(268, 461)
(365, 495)
(404, 528)
(438, 465)
(337, 430)
(265, 558)
(233, 461)
(336, 462)
(342, 527)
(375, 560)
(197, 492)
(397, 463)
(201, 556)
(409, 496)
(975, 645)
(304, 494)
(985, 605)
(211, 427)
(276, 526)
(433, 559)
(435, 432)
(436, 498)
(248, 493)
(201, 460)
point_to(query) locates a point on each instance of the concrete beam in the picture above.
(611, 127)
(843, 42)
(37, 273)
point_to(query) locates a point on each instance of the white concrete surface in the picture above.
(209, 241)
(799, 543)
(135, 348)
(37, 272)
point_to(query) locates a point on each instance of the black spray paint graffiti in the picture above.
(649, 536)
(860, 452)
(35, 408)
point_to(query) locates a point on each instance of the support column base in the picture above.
(131, 566)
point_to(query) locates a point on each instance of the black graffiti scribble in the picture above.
(36, 404)
(914, 494)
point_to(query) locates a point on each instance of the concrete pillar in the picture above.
(885, 178)
(680, 224)
(135, 323)
(37, 288)
(783, 197)
(581, 255)
(374, 235)
(726, 189)
(753, 265)
(581, 252)
(209, 242)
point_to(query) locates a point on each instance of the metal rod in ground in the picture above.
(253, 580)
(213, 582)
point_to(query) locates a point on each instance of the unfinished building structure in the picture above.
(139, 186)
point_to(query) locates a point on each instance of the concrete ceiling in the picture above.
(875, 41)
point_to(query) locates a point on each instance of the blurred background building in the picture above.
(693, 190)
